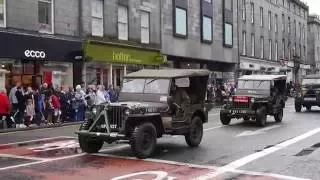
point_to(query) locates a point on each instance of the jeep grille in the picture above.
(240, 105)
(115, 117)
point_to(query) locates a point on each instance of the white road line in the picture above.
(36, 140)
(41, 129)
(252, 157)
(56, 159)
(214, 114)
(268, 174)
(212, 128)
(21, 157)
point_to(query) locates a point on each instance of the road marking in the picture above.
(259, 131)
(36, 140)
(214, 114)
(252, 157)
(21, 157)
(60, 158)
(215, 127)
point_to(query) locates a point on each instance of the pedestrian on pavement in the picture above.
(12, 97)
(30, 107)
(91, 96)
(64, 104)
(4, 110)
(19, 118)
(80, 103)
(100, 98)
(112, 93)
(49, 110)
(71, 104)
(106, 94)
(56, 107)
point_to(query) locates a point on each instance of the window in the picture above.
(289, 25)
(269, 20)
(270, 49)
(289, 50)
(300, 31)
(244, 43)
(294, 9)
(295, 27)
(304, 53)
(45, 16)
(180, 22)
(261, 47)
(2, 13)
(145, 27)
(261, 16)
(244, 9)
(208, 1)
(275, 23)
(283, 49)
(206, 28)
(289, 5)
(276, 51)
(252, 12)
(97, 17)
(228, 34)
(283, 23)
(283, 3)
(123, 23)
(253, 45)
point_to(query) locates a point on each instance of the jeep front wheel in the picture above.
(297, 107)
(88, 145)
(261, 117)
(144, 140)
(225, 120)
(279, 116)
(308, 108)
(194, 136)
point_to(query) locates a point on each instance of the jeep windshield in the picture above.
(311, 82)
(253, 84)
(147, 86)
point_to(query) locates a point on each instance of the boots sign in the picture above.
(35, 54)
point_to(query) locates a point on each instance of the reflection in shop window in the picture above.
(2, 13)
(45, 15)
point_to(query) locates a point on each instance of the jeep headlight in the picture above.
(94, 110)
(127, 111)
(299, 95)
(252, 100)
(230, 99)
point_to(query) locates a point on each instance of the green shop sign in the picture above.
(121, 54)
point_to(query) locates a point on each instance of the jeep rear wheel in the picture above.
(297, 107)
(144, 140)
(279, 116)
(194, 136)
(225, 120)
(261, 118)
(88, 145)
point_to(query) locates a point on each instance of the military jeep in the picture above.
(256, 97)
(151, 103)
(309, 93)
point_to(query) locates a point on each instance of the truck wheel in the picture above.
(225, 120)
(144, 140)
(88, 145)
(194, 136)
(279, 116)
(261, 118)
(308, 108)
(298, 107)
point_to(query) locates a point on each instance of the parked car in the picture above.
(309, 93)
(257, 96)
(151, 103)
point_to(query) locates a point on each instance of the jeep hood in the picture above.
(253, 93)
(137, 104)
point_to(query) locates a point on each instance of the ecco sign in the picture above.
(35, 54)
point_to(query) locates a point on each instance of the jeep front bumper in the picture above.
(102, 136)
(238, 113)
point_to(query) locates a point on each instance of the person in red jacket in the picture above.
(4, 109)
(56, 106)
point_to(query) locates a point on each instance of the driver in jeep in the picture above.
(180, 98)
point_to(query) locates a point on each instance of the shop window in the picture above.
(228, 34)
(97, 17)
(45, 16)
(180, 22)
(122, 23)
(145, 27)
(2, 13)
(206, 29)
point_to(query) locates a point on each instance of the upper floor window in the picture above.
(180, 21)
(261, 47)
(275, 23)
(228, 34)
(269, 20)
(97, 17)
(270, 49)
(123, 33)
(206, 28)
(261, 16)
(244, 9)
(244, 43)
(289, 25)
(252, 12)
(2, 13)
(145, 27)
(45, 16)
(253, 45)
(283, 23)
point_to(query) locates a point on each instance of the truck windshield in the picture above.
(310, 81)
(248, 84)
(149, 86)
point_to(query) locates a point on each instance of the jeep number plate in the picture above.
(238, 111)
(310, 99)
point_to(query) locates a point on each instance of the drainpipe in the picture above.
(238, 38)
(161, 26)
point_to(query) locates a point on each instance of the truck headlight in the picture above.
(252, 100)
(94, 110)
(127, 111)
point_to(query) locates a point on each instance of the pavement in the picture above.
(287, 150)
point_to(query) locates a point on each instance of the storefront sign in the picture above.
(122, 54)
(35, 54)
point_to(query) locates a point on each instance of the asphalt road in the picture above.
(288, 150)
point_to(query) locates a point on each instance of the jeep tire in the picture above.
(298, 107)
(261, 117)
(308, 108)
(225, 120)
(194, 136)
(88, 145)
(144, 140)
(279, 116)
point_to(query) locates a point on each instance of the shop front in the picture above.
(33, 60)
(250, 66)
(107, 63)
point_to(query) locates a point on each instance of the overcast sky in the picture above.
(314, 6)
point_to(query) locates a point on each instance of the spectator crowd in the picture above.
(27, 107)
